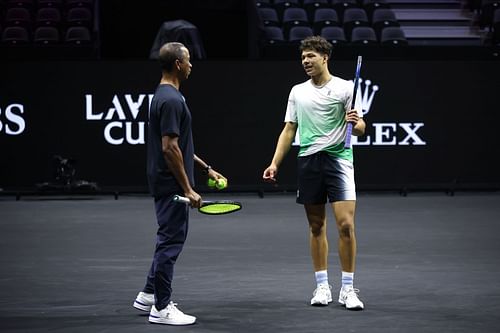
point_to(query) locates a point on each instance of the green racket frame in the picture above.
(215, 207)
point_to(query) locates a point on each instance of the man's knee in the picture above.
(317, 227)
(346, 228)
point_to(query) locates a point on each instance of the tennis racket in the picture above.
(216, 207)
(348, 135)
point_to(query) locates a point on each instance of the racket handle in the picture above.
(178, 198)
(348, 135)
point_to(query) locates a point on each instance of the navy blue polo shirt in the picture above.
(169, 115)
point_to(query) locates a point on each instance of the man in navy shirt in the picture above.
(170, 164)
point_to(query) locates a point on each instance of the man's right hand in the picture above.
(194, 198)
(270, 173)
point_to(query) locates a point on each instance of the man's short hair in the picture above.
(169, 53)
(317, 44)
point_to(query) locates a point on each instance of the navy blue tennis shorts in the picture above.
(322, 176)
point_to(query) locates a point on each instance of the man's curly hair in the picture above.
(317, 44)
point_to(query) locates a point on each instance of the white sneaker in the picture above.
(144, 301)
(170, 316)
(322, 295)
(349, 297)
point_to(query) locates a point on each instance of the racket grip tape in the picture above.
(178, 198)
(348, 135)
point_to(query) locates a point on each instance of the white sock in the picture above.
(347, 279)
(321, 277)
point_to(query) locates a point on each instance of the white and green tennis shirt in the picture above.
(320, 115)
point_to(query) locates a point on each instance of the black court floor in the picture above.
(426, 263)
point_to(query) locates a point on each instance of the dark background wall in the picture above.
(238, 109)
(431, 123)
(128, 28)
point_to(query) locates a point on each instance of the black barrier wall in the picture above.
(430, 124)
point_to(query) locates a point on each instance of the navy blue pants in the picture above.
(173, 221)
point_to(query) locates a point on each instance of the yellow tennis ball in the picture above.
(211, 183)
(221, 184)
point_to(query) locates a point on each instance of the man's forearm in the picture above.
(283, 147)
(175, 163)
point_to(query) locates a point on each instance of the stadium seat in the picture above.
(18, 16)
(341, 5)
(324, 17)
(354, 17)
(273, 35)
(268, 16)
(298, 33)
(78, 35)
(79, 16)
(393, 36)
(15, 36)
(363, 36)
(334, 35)
(312, 5)
(293, 17)
(48, 16)
(282, 5)
(383, 18)
(46, 36)
(371, 5)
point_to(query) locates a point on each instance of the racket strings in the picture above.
(220, 208)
